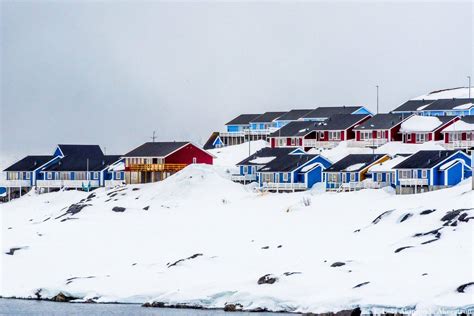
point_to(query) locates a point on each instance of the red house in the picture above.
(460, 135)
(379, 129)
(419, 129)
(309, 134)
(156, 161)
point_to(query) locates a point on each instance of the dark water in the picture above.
(30, 307)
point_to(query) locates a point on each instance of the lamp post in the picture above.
(373, 139)
(469, 86)
(377, 98)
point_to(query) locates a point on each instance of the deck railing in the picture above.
(243, 178)
(67, 183)
(284, 186)
(376, 142)
(319, 144)
(413, 181)
(15, 183)
(459, 144)
(113, 183)
(155, 167)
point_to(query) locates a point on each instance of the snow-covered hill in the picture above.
(458, 93)
(199, 239)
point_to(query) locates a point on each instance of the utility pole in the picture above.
(377, 99)
(469, 87)
(153, 138)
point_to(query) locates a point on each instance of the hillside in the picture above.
(199, 239)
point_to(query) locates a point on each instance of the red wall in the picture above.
(273, 142)
(185, 155)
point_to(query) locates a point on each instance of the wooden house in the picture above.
(155, 161)
(290, 116)
(411, 107)
(237, 130)
(264, 124)
(379, 130)
(383, 174)
(292, 172)
(322, 113)
(450, 107)
(349, 173)
(419, 129)
(429, 170)
(460, 134)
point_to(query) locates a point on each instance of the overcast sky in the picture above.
(110, 73)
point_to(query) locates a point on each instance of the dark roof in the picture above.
(267, 117)
(210, 142)
(288, 163)
(447, 104)
(89, 151)
(327, 111)
(468, 119)
(353, 159)
(412, 105)
(425, 159)
(29, 163)
(381, 121)
(293, 115)
(155, 149)
(296, 128)
(266, 152)
(243, 119)
(339, 122)
(82, 163)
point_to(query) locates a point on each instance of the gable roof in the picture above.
(450, 104)
(418, 123)
(242, 119)
(267, 117)
(327, 111)
(288, 163)
(340, 122)
(29, 163)
(381, 121)
(294, 115)
(89, 151)
(413, 106)
(266, 152)
(296, 128)
(81, 163)
(155, 149)
(425, 159)
(210, 142)
(354, 162)
(466, 123)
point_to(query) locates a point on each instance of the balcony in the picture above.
(77, 184)
(413, 181)
(319, 144)
(375, 142)
(233, 134)
(284, 186)
(113, 183)
(243, 178)
(156, 167)
(15, 183)
(459, 144)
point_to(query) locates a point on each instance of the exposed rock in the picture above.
(267, 279)
(461, 288)
(135, 189)
(426, 212)
(12, 251)
(38, 294)
(233, 307)
(146, 208)
(70, 280)
(290, 273)
(350, 312)
(181, 260)
(279, 246)
(74, 209)
(402, 248)
(361, 284)
(118, 209)
(378, 218)
(337, 264)
(90, 196)
(90, 301)
(61, 297)
(429, 241)
(405, 217)
(265, 247)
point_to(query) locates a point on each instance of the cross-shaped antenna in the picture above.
(154, 136)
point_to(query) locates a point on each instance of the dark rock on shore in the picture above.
(118, 209)
(405, 217)
(426, 212)
(12, 251)
(354, 312)
(402, 248)
(181, 260)
(267, 279)
(360, 285)
(233, 307)
(337, 264)
(461, 288)
(61, 297)
(378, 218)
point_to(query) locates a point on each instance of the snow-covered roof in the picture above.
(422, 123)
(449, 164)
(458, 93)
(262, 160)
(309, 166)
(461, 125)
(387, 165)
(464, 106)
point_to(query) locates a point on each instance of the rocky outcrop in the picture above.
(267, 279)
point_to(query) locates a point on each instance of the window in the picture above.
(118, 176)
(95, 175)
(64, 176)
(194, 160)
(244, 169)
(285, 177)
(420, 138)
(49, 175)
(424, 174)
(267, 177)
(27, 176)
(80, 176)
(379, 177)
(155, 161)
(56, 175)
(353, 176)
(409, 137)
(281, 142)
(293, 143)
(334, 135)
(379, 134)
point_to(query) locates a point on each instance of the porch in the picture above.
(283, 186)
(313, 143)
(244, 178)
(15, 183)
(75, 184)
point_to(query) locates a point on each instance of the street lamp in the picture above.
(373, 139)
(377, 98)
(469, 87)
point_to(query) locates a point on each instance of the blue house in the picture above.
(349, 173)
(240, 124)
(322, 113)
(249, 166)
(264, 124)
(80, 167)
(294, 172)
(290, 116)
(383, 174)
(429, 170)
(214, 141)
(437, 107)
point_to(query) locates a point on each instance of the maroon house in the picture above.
(155, 161)
(308, 134)
(419, 129)
(379, 129)
(460, 135)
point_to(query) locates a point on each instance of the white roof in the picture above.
(449, 164)
(458, 93)
(420, 124)
(262, 160)
(464, 106)
(355, 166)
(309, 167)
(117, 167)
(459, 126)
(387, 165)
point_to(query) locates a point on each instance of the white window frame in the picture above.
(49, 176)
(352, 177)
(424, 173)
(194, 160)
(409, 137)
(244, 170)
(281, 142)
(285, 177)
(27, 176)
(95, 175)
(379, 134)
(118, 176)
(379, 177)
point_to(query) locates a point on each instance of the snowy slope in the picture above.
(458, 93)
(233, 237)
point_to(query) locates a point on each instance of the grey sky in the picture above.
(110, 73)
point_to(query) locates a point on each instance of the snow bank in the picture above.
(197, 238)
(458, 93)
(420, 124)
(262, 160)
(231, 155)
(387, 165)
